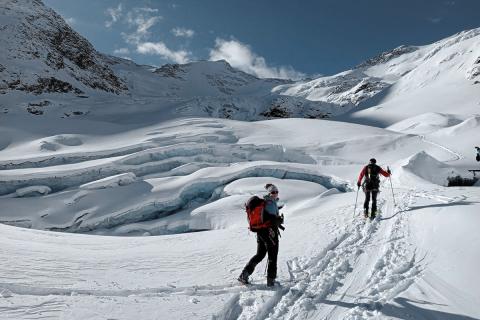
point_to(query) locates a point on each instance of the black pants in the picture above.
(373, 193)
(267, 242)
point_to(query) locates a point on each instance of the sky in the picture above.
(267, 38)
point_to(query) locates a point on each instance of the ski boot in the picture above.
(373, 215)
(365, 213)
(243, 278)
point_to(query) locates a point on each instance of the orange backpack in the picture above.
(254, 208)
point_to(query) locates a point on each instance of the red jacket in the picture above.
(364, 170)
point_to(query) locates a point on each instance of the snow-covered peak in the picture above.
(41, 53)
(411, 79)
(387, 56)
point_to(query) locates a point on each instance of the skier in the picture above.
(267, 238)
(478, 153)
(371, 185)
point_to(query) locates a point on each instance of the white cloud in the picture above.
(241, 56)
(121, 51)
(71, 21)
(146, 9)
(142, 20)
(159, 48)
(183, 32)
(115, 14)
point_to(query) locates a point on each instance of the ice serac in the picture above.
(427, 168)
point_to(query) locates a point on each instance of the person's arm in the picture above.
(271, 209)
(360, 177)
(270, 213)
(385, 173)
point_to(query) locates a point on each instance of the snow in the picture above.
(135, 209)
(426, 167)
(331, 264)
(110, 182)
(32, 191)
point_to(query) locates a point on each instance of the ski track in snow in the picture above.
(456, 156)
(364, 268)
(375, 254)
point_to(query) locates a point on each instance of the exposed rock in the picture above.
(276, 112)
(37, 108)
(387, 56)
(35, 33)
(170, 70)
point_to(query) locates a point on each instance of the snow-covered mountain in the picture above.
(46, 67)
(41, 53)
(407, 81)
(125, 159)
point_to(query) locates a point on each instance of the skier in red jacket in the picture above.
(371, 185)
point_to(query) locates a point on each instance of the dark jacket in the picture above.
(371, 172)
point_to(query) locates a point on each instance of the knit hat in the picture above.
(373, 160)
(271, 188)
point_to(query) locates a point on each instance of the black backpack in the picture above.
(372, 179)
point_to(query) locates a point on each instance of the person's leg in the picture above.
(272, 248)
(374, 203)
(261, 252)
(366, 203)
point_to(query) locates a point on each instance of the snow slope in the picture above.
(442, 77)
(124, 201)
(331, 265)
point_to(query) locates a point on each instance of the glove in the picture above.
(279, 220)
(358, 184)
(279, 223)
(389, 171)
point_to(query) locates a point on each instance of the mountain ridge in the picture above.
(48, 68)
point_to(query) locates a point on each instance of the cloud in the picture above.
(241, 56)
(142, 20)
(71, 21)
(121, 51)
(139, 22)
(115, 14)
(435, 20)
(159, 48)
(183, 32)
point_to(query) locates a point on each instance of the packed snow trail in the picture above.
(361, 273)
(366, 268)
(367, 254)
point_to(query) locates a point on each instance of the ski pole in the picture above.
(356, 198)
(391, 185)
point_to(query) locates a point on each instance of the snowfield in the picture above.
(177, 191)
(122, 187)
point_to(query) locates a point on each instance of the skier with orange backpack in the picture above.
(264, 219)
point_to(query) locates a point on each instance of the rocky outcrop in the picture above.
(387, 56)
(41, 53)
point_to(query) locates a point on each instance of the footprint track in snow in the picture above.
(312, 278)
